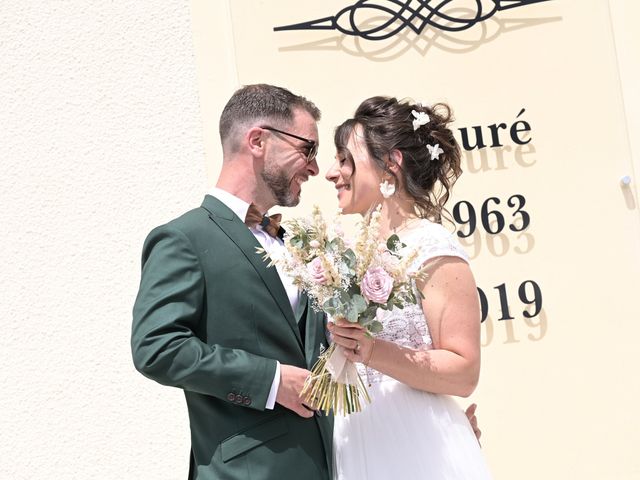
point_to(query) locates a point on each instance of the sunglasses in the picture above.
(311, 144)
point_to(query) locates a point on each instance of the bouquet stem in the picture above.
(334, 384)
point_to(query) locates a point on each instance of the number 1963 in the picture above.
(491, 219)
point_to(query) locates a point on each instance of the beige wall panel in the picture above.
(217, 76)
(627, 35)
(558, 391)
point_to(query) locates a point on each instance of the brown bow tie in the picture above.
(270, 224)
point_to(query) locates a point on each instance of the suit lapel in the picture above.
(301, 309)
(302, 315)
(239, 234)
(315, 341)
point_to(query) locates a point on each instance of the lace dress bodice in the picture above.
(408, 326)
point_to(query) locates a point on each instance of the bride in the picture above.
(405, 157)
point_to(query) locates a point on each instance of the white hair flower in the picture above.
(435, 151)
(420, 118)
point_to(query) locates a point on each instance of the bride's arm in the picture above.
(452, 309)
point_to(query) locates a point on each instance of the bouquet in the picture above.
(345, 281)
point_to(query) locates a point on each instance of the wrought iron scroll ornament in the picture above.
(414, 14)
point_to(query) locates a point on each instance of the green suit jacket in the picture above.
(212, 319)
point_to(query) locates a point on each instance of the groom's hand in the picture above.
(470, 412)
(291, 382)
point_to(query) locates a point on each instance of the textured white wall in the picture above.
(100, 140)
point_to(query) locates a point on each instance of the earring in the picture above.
(387, 189)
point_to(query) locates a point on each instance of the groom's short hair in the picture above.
(266, 103)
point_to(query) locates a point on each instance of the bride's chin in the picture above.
(346, 209)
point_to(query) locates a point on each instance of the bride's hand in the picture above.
(354, 339)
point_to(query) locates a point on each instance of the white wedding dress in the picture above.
(406, 433)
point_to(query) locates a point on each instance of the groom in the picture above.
(212, 319)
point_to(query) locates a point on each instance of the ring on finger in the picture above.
(357, 349)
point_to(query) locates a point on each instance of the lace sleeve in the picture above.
(435, 241)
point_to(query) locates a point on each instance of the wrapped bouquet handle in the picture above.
(334, 384)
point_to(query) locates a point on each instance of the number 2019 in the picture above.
(531, 298)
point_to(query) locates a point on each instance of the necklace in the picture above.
(405, 225)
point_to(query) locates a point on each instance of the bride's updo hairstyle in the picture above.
(388, 124)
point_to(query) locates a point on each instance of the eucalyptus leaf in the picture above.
(370, 312)
(352, 315)
(392, 242)
(359, 303)
(344, 297)
(375, 327)
(332, 303)
(334, 245)
(350, 259)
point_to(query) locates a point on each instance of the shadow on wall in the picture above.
(383, 30)
(628, 192)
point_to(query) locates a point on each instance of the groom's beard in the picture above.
(280, 187)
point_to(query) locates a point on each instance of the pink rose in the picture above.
(376, 285)
(317, 272)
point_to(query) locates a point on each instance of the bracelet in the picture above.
(373, 344)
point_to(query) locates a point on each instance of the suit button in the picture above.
(247, 401)
(239, 399)
(231, 397)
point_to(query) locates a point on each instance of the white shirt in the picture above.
(270, 244)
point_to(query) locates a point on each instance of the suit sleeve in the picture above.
(166, 314)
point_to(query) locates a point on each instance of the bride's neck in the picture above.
(396, 212)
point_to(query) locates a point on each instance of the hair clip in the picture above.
(435, 151)
(420, 118)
